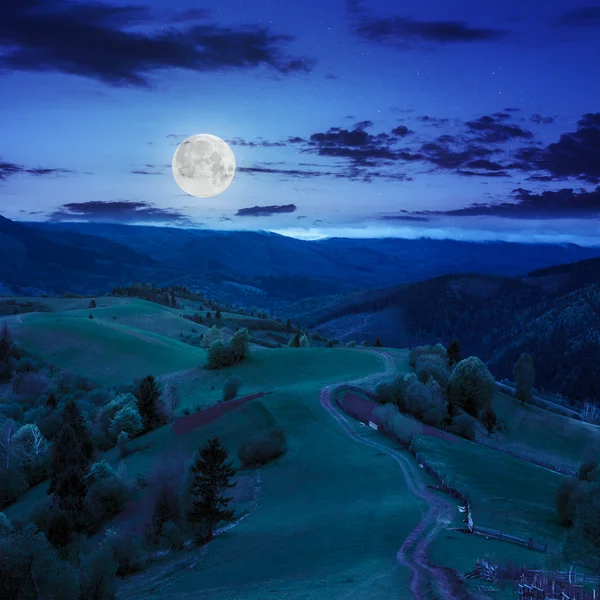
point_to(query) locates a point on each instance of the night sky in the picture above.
(443, 118)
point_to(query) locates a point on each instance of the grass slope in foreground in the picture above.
(331, 517)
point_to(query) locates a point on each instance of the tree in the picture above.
(304, 342)
(295, 341)
(171, 399)
(240, 343)
(489, 418)
(524, 374)
(51, 401)
(583, 541)
(454, 354)
(231, 387)
(471, 385)
(378, 343)
(148, 396)
(92, 304)
(73, 416)
(217, 314)
(211, 477)
(127, 419)
(33, 444)
(68, 472)
(214, 356)
(9, 447)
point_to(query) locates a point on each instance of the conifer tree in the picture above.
(295, 341)
(148, 402)
(454, 355)
(73, 416)
(218, 314)
(378, 343)
(211, 475)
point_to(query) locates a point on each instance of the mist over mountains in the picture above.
(281, 269)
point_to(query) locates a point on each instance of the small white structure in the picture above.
(372, 425)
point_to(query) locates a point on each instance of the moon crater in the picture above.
(203, 165)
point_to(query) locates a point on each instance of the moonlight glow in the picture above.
(203, 165)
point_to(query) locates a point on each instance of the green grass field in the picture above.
(506, 493)
(552, 435)
(331, 516)
(102, 349)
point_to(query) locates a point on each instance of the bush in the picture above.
(219, 355)
(172, 536)
(106, 498)
(98, 574)
(166, 508)
(351, 344)
(31, 568)
(471, 386)
(568, 495)
(231, 387)
(421, 351)
(464, 426)
(127, 550)
(263, 448)
(100, 470)
(123, 444)
(127, 420)
(432, 366)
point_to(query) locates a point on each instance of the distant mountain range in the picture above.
(552, 313)
(42, 255)
(499, 299)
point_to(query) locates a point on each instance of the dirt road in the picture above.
(439, 511)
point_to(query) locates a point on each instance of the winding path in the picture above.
(439, 512)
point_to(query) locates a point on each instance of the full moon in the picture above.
(203, 165)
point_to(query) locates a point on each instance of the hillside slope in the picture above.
(554, 314)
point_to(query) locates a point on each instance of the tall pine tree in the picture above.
(454, 354)
(73, 416)
(148, 396)
(211, 477)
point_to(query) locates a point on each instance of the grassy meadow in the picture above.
(331, 513)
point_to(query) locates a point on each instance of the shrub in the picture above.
(464, 426)
(524, 375)
(489, 418)
(107, 497)
(471, 386)
(240, 343)
(351, 344)
(568, 495)
(123, 444)
(262, 448)
(100, 470)
(127, 550)
(127, 420)
(98, 574)
(432, 366)
(420, 351)
(32, 569)
(231, 387)
(166, 508)
(304, 341)
(29, 386)
(172, 536)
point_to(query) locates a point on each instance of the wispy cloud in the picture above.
(120, 211)
(265, 211)
(404, 32)
(8, 169)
